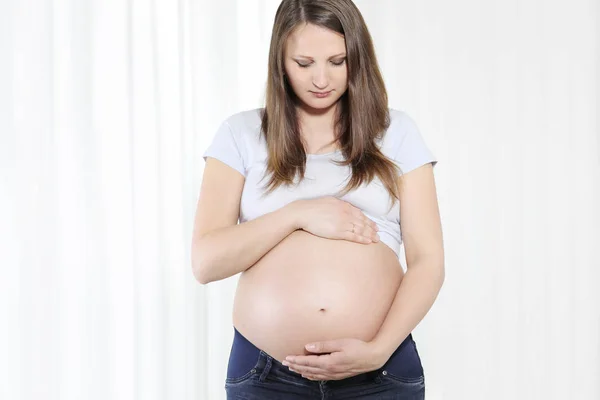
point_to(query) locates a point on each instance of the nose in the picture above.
(320, 79)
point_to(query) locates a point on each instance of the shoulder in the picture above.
(245, 121)
(405, 144)
(401, 125)
(243, 132)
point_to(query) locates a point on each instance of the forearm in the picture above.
(227, 251)
(417, 292)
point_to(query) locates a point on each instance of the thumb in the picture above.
(324, 347)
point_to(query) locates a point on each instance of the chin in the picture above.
(317, 103)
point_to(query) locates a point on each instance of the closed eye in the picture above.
(337, 64)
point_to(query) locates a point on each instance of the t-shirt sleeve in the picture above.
(410, 150)
(225, 147)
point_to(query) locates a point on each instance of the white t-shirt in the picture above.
(239, 144)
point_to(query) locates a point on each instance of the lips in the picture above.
(322, 92)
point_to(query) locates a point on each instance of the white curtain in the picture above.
(106, 107)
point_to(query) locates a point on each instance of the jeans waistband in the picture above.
(246, 356)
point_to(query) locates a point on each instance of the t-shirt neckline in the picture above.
(309, 155)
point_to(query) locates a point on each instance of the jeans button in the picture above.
(384, 372)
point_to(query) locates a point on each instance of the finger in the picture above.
(314, 361)
(304, 369)
(371, 223)
(351, 226)
(364, 220)
(366, 231)
(309, 370)
(318, 377)
(354, 233)
(356, 212)
(368, 222)
(360, 225)
(371, 233)
(355, 237)
(360, 215)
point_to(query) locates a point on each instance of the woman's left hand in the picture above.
(344, 358)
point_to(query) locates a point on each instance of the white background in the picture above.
(106, 107)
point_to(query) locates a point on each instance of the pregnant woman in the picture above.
(327, 182)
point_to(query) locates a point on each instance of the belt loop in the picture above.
(267, 368)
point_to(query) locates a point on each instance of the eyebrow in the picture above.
(341, 54)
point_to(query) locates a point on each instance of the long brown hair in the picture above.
(362, 113)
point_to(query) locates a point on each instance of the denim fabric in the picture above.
(253, 374)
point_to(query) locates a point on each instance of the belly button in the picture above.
(322, 310)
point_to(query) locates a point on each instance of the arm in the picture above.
(226, 251)
(423, 243)
(418, 290)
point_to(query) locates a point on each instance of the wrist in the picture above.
(381, 353)
(293, 212)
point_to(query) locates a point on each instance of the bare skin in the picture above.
(310, 289)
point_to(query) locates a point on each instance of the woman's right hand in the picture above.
(332, 218)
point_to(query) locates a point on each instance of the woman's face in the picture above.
(315, 61)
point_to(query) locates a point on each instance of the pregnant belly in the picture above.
(309, 288)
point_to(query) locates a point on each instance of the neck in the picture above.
(317, 125)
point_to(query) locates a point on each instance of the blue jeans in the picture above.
(253, 374)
